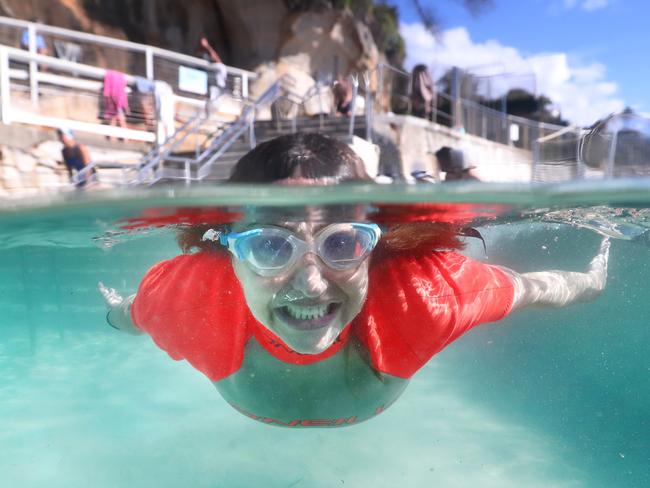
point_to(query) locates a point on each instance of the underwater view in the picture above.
(324, 243)
(548, 396)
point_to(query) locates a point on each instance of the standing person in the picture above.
(422, 92)
(75, 156)
(115, 100)
(41, 45)
(323, 321)
(342, 90)
(165, 111)
(216, 84)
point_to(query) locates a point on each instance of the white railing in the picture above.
(111, 175)
(220, 145)
(76, 89)
(393, 89)
(156, 165)
(83, 82)
(556, 156)
(167, 166)
(130, 57)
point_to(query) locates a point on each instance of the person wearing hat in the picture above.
(452, 162)
(75, 156)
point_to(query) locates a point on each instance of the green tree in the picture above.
(429, 14)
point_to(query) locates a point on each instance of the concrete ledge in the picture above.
(418, 139)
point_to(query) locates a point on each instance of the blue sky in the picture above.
(589, 56)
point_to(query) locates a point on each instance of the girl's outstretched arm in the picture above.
(119, 310)
(561, 288)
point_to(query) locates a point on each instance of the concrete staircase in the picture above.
(264, 130)
(268, 129)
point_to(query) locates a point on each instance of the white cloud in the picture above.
(587, 5)
(581, 90)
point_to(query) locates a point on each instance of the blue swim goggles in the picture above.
(270, 251)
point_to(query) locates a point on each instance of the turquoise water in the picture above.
(544, 398)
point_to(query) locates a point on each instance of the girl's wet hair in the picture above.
(300, 155)
(315, 156)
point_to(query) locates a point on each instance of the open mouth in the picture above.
(308, 317)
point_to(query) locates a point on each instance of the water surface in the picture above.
(543, 398)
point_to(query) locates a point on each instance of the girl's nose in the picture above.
(309, 280)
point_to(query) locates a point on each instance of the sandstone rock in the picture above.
(334, 42)
(23, 162)
(49, 163)
(302, 86)
(6, 158)
(254, 30)
(11, 178)
(318, 103)
(47, 150)
(48, 179)
(246, 33)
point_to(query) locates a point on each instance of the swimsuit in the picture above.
(73, 158)
(193, 307)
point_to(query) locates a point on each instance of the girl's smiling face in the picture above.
(308, 304)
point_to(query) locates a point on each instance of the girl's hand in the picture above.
(119, 309)
(111, 296)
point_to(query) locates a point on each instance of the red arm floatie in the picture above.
(193, 307)
(191, 310)
(416, 306)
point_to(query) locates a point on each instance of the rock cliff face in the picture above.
(247, 33)
(330, 42)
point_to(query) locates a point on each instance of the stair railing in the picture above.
(368, 106)
(152, 161)
(246, 121)
(353, 107)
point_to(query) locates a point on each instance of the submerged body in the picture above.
(322, 321)
(203, 318)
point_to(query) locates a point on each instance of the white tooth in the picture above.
(306, 313)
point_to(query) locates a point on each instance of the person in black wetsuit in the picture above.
(75, 156)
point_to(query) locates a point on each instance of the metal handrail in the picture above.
(119, 43)
(245, 121)
(381, 68)
(353, 107)
(499, 114)
(561, 132)
(226, 140)
(531, 127)
(391, 68)
(9, 114)
(153, 161)
(153, 157)
(203, 162)
(89, 173)
(369, 109)
(84, 69)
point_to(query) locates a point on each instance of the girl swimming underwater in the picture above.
(323, 321)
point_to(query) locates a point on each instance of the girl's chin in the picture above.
(308, 340)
